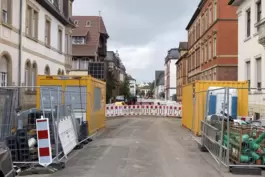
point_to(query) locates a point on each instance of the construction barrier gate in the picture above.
(144, 110)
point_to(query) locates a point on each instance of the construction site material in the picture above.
(194, 101)
(246, 144)
(84, 94)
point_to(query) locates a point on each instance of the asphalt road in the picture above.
(141, 147)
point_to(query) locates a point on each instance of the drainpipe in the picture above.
(20, 50)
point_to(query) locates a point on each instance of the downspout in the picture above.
(20, 50)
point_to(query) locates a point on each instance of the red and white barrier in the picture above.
(144, 110)
(44, 143)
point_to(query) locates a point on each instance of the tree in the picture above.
(125, 88)
(162, 95)
(142, 93)
(110, 85)
(174, 97)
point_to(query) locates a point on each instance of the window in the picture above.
(214, 47)
(206, 52)
(258, 72)
(259, 10)
(84, 64)
(88, 23)
(210, 50)
(248, 71)
(6, 11)
(97, 99)
(47, 71)
(66, 44)
(206, 19)
(69, 45)
(210, 16)
(32, 22)
(60, 39)
(76, 22)
(34, 76)
(78, 40)
(27, 75)
(75, 64)
(248, 22)
(47, 32)
(215, 11)
(3, 71)
(202, 55)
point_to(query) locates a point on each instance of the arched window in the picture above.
(62, 72)
(3, 71)
(59, 72)
(34, 72)
(27, 74)
(47, 70)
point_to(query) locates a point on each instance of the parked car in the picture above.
(6, 163)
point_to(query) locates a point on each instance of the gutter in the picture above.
(20, 50)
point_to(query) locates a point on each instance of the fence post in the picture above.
(57, 122)
(228, 129)
(53, 122)
(205, 116)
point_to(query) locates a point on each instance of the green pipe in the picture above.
(254, 155)
(244, 158)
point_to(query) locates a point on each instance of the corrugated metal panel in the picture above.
(201, 87)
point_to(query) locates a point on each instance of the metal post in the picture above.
(205, 115)
(228, 129)
(222, 128)
(20, 49)
(53, 122)
(42, 104)
(57, 132)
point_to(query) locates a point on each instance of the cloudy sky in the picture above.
(141, 30)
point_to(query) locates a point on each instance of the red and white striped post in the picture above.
(44, 143)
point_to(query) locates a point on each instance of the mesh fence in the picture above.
(232, 125)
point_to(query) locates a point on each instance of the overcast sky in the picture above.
(141, 30)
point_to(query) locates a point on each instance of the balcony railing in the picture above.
(261, 28)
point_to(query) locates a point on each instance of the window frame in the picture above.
(32, 26)
(60, 39)
(259, 10)
(47, 35)
(248, 22)
(8, 12)
(259, 73)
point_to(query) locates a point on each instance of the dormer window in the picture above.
(88, 23)
(76, 22)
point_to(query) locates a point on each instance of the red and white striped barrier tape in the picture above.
(144, 110)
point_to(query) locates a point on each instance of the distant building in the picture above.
(115, 67)
(212, 42)
(133, 86)
(159, 85)
(144, 89)
(182, 69)
(170, 73)
(89, 46)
